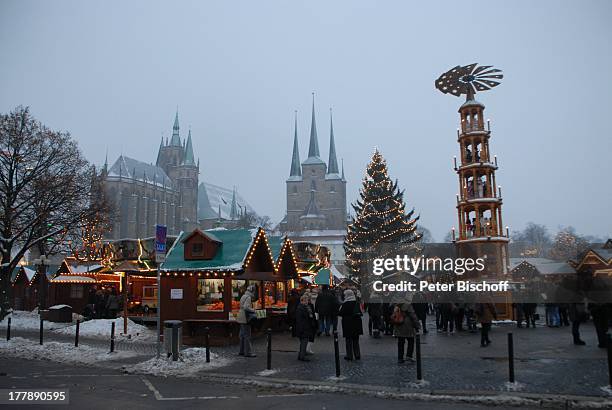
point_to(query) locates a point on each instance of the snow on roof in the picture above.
(83, 268)
(73, 278)
(55, 307)
(132, 168)
(211, 196)
(514, 262)
(29, 273)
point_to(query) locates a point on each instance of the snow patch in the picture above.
(191, 361)
(336, 378)
(31, 321)
(267, 372)
(607, 389)
(516, 386)
(58, 352)
(101, 328)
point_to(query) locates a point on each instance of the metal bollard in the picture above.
(175, 345)
(41, 331)
(610, 359)
(269, 333)
(207, 343)
(112, 347)
(337, 353)
(418, 358)
(76, 335)
(8, 329)
(510, 358)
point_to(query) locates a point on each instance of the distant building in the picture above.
(220, 207)
(145, 194)
(316, 196)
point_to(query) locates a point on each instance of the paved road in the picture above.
(546, 361)
(111, 389)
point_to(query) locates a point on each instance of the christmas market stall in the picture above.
(23, 294)
(206, 273)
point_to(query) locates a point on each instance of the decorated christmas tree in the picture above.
(380, 219)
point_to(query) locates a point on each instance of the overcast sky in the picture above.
(113, 73)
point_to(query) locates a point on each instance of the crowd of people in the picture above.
(102, 303)
(316, 312)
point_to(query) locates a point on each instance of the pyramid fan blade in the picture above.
(480, 86)
(481, 68)
(491, 83)
(499, 76)
(495, 70)
(469, 68)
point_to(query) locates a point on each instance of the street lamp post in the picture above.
(42, 263)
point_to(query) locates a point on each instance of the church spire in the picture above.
(332, 164)
(188, 158)
(176, 139)
(296, 169)
(234, 208)
(313, 148)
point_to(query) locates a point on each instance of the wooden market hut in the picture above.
(22, 293)
(206, 273)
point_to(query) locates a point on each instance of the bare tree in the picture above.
(426, 236)
(533, 241)
(45, 187)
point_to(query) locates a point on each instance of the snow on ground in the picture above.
(21, 319)
(95, 328)
(267, 372)
(101, 328)
(514, 386)
(58, 352)
(191, 361)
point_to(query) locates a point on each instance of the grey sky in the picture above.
(112, 73)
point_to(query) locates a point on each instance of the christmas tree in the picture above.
(380, 219)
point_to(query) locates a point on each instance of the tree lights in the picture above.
(380, 216)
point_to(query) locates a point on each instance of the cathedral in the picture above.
(316, 195)
(145, 194)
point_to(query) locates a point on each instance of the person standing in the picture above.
(350, 312)
(292, 305)
(325, 305)
(112, 304)
(305, 325)
(245, 314)
(419, 304)
(578, 315)
(405, 327)
(486, 314)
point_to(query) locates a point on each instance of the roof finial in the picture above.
(176, 139)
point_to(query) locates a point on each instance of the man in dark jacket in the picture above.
(325, 306)
(304, 325)
(351, 324)
(292, 304)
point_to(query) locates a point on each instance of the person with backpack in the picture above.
(405, 327)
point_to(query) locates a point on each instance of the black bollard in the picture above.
(269, 334)
(41, 331)
(418, 358)
(510, 358)
(610, 359)
(207, 343)
(8, 329)
(76, 336)
(337, 353)
(112, 337)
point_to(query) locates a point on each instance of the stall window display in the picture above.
(210, 295)
(238, 289)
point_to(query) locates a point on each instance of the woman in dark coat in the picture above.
(305, 325)
(292, 305)
(351, 324)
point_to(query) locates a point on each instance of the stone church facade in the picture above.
(316, 195)
(144, 194)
